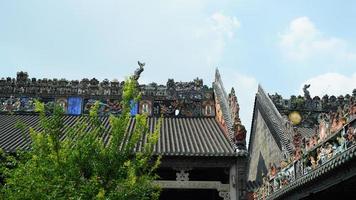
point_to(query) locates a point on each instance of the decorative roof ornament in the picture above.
(229, 114)
(223, 104)
(295, 117)
(138, 71)
(306, 92)
(191, 99)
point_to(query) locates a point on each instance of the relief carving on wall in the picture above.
(184, 99)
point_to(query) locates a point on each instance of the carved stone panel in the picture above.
(145, 107)
(106, 106)
(208, 108)
(225, 195)
(63, 102)
(182, 175)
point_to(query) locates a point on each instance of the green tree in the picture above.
(83, 166)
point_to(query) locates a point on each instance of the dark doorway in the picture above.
(189, 194)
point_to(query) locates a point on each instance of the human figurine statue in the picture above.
(337, 122)
(313, 141)
(313, 162)
(329, 150)
(273, 170)
(322, 155)
(297, 154)
(240, 132)
(322, 130)
(352, 111)
(342, 143)
(335, 148)
(350, 139)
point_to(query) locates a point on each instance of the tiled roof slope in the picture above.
(178, 136)
(273, 119)
(222, 100)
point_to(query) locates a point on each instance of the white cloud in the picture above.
(245, 88)
(217, 31)
(224, 25)
(331, 84)
(302, 41)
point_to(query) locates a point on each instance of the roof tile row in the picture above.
(178, 136)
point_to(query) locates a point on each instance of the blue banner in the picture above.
(74, 105)
(134, 108)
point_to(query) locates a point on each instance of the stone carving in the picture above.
(353, 110)
(170, 108)
(22, 85)
(145, 107)
(240, 132)
(311, 109)
(106, 106)
(319, 152)
(138, 71)
(322, 128)
(306, 92)
(297, 142)
(17, 104)
(234, 107)
(224, 195)
(191, 99)
(63, 102)
(182, 175)
(198, 83)
(208, 108)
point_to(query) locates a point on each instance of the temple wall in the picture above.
(264, 149)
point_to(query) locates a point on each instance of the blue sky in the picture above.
(280, 44)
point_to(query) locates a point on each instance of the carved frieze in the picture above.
(106, 106)
(188, 99)
(310, 108)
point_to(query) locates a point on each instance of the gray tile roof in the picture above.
(306, 132)
(178, 136)
(273, 119)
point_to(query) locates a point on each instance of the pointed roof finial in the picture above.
(232, 91)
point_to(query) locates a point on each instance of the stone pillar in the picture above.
(241, 178)
(233, 183)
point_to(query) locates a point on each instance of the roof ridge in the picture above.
(221, 96)
(275, 118)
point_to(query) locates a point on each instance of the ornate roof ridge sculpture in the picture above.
(175, 99)
(304, 113)
(323, 158)
(302, 103)
(23, 85)
(228, 114)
